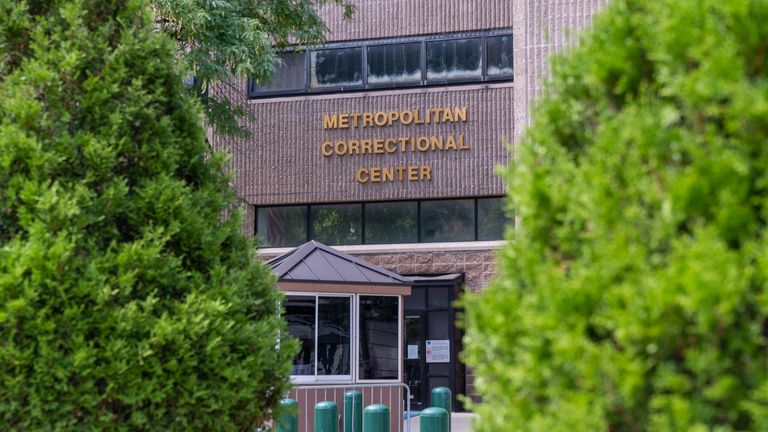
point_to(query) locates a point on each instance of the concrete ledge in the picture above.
(400, 248)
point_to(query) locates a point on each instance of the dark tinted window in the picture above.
(337, 224)
(391, 222)
(499, 55)
(450, 220)
(289, 75)
(490, 219)
(454, 59)
(379, 336)
(337, 68)
(282, 226)
(300, 315)
(333, 336)
(389, 64)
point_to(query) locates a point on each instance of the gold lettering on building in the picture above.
(388, 118)
(401, 174)
(378, 145)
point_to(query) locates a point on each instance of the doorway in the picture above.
(432, 341)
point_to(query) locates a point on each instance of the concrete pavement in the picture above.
(460, 422)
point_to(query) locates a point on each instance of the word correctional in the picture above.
(417, 116)
(418, 143)
(394, 145)
(394, 174)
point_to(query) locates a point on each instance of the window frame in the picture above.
(306, 215)
(310, 219)
(467, 80)
(335, 88)
(500, 77)
(400, 337)
(270, 93)
(315, 378)
(365, 220)
(472, 226)
(401, 84)
(366, 86)
(354, 345)
(364, 240)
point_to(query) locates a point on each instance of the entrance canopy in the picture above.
(316, 267)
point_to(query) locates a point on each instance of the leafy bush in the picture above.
(633, 297)
(128, 302)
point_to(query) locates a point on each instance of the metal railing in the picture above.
(385, 393)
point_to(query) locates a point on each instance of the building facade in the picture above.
(384, 144)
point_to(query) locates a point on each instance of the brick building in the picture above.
(383, 144)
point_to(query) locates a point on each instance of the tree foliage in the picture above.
(634, 295)
(126, 301)
(221, 39)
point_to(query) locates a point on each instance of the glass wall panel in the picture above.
(282, 226)
(289, 75)
(450, 220)
(439, 297)
(454, 59)
(333, 336)
(336, 224)
(438, 325)
(379, 336)
(417, 299)
(300, 315)
(391, 222)
(337, 68)
(389, 64)
(491, 219)
(499, 55)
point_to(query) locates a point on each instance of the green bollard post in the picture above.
(353, 411)
(376, 418)
(289, 420)
(326, 417)
(434, 420)
(441, 398)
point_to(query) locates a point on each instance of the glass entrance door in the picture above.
(414, 358)
(432, 341)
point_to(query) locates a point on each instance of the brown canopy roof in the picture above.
(316, 262)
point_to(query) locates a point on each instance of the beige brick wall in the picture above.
(392, 18)
(542, 28)
(282, 163)
(477, 266)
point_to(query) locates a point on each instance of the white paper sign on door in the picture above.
(438, 351)
(413, 352)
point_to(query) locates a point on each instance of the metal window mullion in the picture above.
(317, 325)
(255, 221)
(362, 223)
(364, 66)
(484, 57)
(423, 61)
(418, 221)
(307, 70)
(400, 336)
(355, 343)
(477, 219)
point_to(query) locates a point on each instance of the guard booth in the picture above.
(348, 317)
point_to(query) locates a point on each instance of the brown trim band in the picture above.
(344, 288)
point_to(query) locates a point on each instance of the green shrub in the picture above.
(633, 297)
(128, 302)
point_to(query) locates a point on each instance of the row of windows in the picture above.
(384, 222)
(392, 63)
(324, 326)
